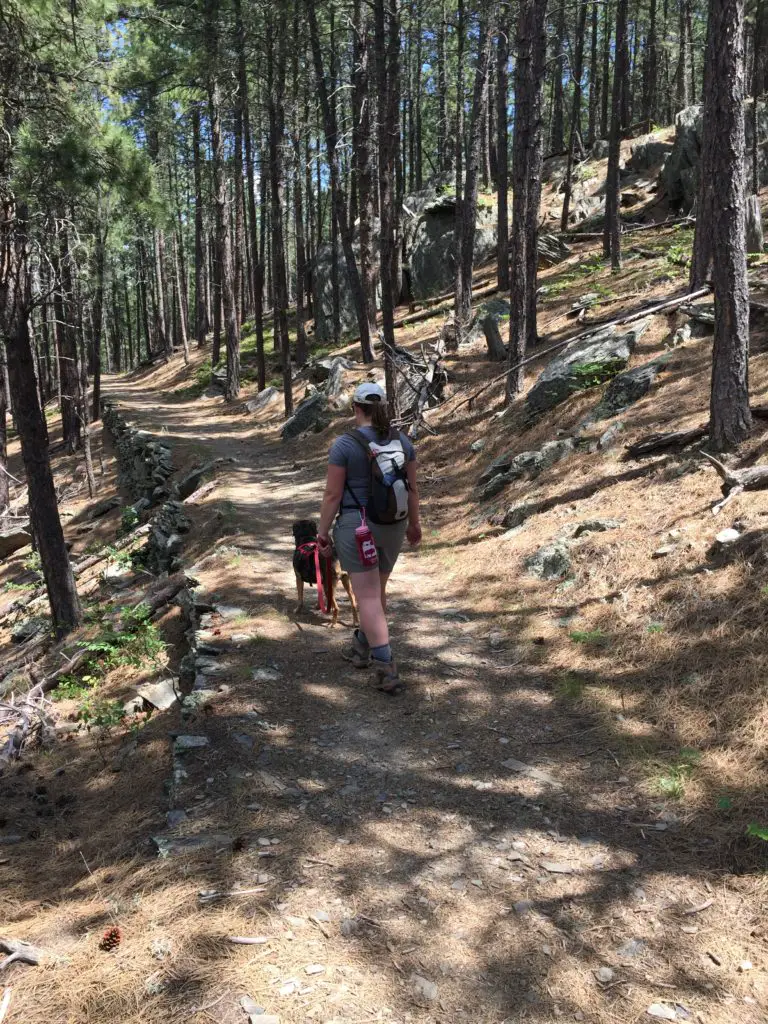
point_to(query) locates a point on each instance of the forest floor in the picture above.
(549, 824)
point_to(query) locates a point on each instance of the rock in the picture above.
(479, 445)
(161, 695)
(250, 1006)
(608, 438)
(264, 1018)
(663, 551)
(522, 907)
(349, 926)
(265, 675)
(259, 403)
(313, 969)
(551, 562)
(183, 744)
(230, 611)
(432, 246)
(661, 1011)
(423, 989)
(12, 541)
(726, 537)
(190, 483)
(551, 251)
(556, 868)
(600, 149)
(649, 153)
(681, 172)
(745, 965)
(29, 628)
(596, 526)
(309, 415)
(583, 364)
(174, 818)
(604, 975)
(104, 507)
(117, 575)
(516, 515)
(514, 467)
(537, 774)
(629, 387)
(216, 842)
(321, 369)
(631, 949)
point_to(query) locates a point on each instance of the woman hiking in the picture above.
(371, 482)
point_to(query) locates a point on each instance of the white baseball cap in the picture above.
(368, 394)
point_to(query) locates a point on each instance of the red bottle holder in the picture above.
(366, 545)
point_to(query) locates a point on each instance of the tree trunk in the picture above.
(527, 144)
(466, 251)
(578, 67)
(261, 365)
(594, 79)
(730, 418)
(276, 89)
(557, 138)
(502, 149)
(4, 480)
(650, 67)
(332, 138)
(701, 259)
(223, 249)
(298, 203)
(363, 145)
(386, 41)
(605, 88)
(163, 334)
(15, 303)
(442, 92)
(755, 240)
(98, 314)
(128, 325)
(245, 102)
(67, 347)
(612, 233)
(681, 78)
(183, 334)
(461, 32)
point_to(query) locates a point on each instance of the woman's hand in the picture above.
(413, 533)
(324, 543)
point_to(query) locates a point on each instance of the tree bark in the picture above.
(701, 259)
(681, 78)
(442, 92)
(298, 203)
(98, 313)
(201, 310)
(650, 66)
(612, 235)
(4, 480)
(70, 384)
(578, 67)
(531, 46)
(557, 139)
(605, 89)
(730, 417)
(594, 78)
(466, 242)
(223, 249)
(502, 148)
(331, 139)
(163, 334)
(363, 146)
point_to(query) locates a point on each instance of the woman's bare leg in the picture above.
(384, 579)
(373, 622)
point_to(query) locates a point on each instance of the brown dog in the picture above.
(305, 568)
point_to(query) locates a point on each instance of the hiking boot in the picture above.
(358, 652)
(387, 677)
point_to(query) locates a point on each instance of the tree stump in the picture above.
(755, 240)
(497, 351)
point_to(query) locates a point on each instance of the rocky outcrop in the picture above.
(629, 387)
(551, 562)
(649, 153)
(311, 414)
(508, 467)
(584, 364)
(166, 539)
(680, 176)
(144, 463)
(263, 401)
(13, 540)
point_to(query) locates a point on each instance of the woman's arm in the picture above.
(414, 516)
(334, 490)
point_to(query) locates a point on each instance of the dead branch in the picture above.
(627, 229)
(4, 1004)
(753, 478)
(663, 442)
(20, 952)
(442, 307)
(201, 492)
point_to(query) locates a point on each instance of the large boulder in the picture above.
(322, 289)
(310, 415)
(680, 176)
(649, 153)
(266, 398)
(584, 364)
(432, 246)
(13, 540)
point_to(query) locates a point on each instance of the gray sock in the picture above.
(361, 637)
(382, 653)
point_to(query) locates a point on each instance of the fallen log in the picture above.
(663, 442)
(87, 563)
(627, 229)
(442, 307)
(201, 492)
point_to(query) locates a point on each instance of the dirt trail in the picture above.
(471, 851)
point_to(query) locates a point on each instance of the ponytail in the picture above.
(379, 413)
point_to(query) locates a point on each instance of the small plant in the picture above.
(758, 831)
(134, 641)
(70, 687)
(590, 375)
(671, 783)
(656, 627)
(129, 519)
(33, 564)
(11, 586)
(570, 686)
(591, 265)
(120, 558)
(98, 713)
(589, 637)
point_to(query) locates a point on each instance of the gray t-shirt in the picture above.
(349, 453)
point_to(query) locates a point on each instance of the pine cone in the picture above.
(110, 939)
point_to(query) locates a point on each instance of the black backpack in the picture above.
(388, 489)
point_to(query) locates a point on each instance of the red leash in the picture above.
(323, 582)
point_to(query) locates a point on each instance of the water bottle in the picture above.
(366, 545)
